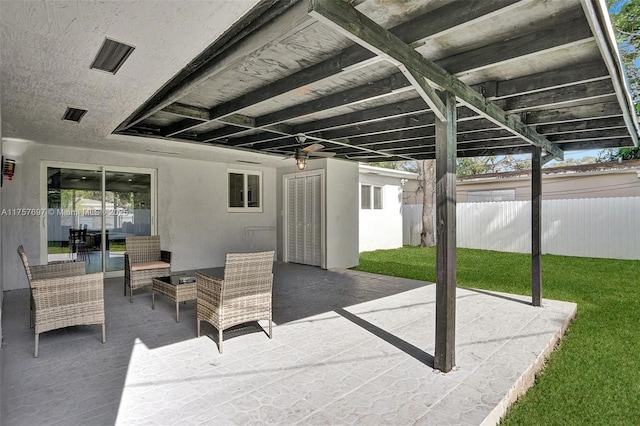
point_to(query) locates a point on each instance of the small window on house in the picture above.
(370, 197)
(493, 195)
(365, 197)
(377, 197)
(245, 191)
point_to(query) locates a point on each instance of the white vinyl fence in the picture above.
(590, 227)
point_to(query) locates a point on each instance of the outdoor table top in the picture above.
(174, 278)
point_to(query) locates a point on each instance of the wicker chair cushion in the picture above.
(145, 266)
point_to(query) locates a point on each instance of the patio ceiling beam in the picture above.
(440, 20)
(404, 132)
(426, 91)
(356, 26)
(580, 93)
(399, 139)
(589, 124)
(399, 116)
(396, 83)
(591, 135)
(574, 113)
(562, 77)
(373, 115)
(428, 145)
(220, 133)
(547, 80)
(428, 153)
(533, 100)
(351, 56)
(583, 92)
(249, 123)
(266, 21)
(415, 124)
(560, 36)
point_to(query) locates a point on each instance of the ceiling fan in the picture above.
(302, 154)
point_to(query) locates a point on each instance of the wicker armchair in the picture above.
(63, 295)
(243, 295)
(144, 261)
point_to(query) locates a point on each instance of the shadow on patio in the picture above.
(348, 347)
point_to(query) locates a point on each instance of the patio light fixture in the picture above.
(301, 155)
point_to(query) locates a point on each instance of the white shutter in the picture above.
(312, 243)
(291, 220)
(304, 220)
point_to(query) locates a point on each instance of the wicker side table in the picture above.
(172, 287)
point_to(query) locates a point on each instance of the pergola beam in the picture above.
(341, 17)
(536, 227)
(560, 36)
(444, 358)
(440, 20)
(556, 87)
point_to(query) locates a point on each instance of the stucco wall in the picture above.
(342, 213)
(192, 217)
(382, 228)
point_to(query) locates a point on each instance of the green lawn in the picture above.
(594, 376)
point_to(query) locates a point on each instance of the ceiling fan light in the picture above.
(301, 163)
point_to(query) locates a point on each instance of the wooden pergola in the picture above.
(410, 80)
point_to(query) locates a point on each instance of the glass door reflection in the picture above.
(127, 213)
(74, 220)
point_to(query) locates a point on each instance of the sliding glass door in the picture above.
(91, 210)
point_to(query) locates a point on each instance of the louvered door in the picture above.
(304, 219)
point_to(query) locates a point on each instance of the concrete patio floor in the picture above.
(348, 347)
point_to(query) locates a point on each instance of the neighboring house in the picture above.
(599, 180)
(381, 194)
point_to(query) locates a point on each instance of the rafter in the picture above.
(419, 29)
(356, 26)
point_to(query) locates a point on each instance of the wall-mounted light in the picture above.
(403, 182)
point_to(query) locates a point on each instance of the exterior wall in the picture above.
(192, 217)
(382, 228)
(342, 214)
(623, 183)
(341, 210)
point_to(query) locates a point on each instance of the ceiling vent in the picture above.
(74, 114)
(111, 56)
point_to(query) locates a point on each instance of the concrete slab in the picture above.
(348, 347)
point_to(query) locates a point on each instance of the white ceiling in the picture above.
(47, 46)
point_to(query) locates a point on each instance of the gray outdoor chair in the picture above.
(144, 261)
(243, 295)
(63, 295)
